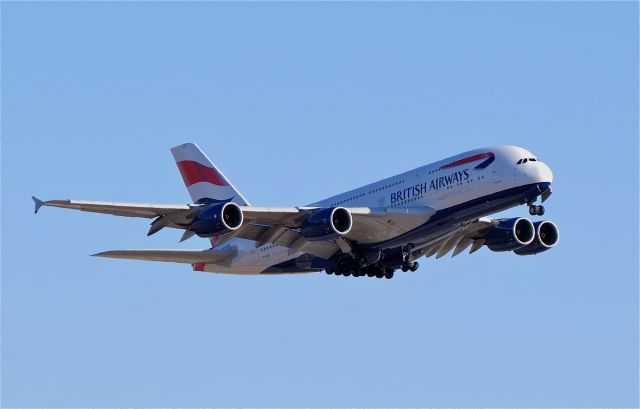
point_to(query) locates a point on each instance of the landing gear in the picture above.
(413, 266)
(369, 271)
(351, 266)
(536, 210)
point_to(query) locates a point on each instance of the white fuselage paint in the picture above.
(443, 190)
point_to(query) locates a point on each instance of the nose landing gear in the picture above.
(536, 210)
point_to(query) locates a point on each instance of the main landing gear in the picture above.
(536, 210)
(369, 271)
(413, 266)
(349, 265)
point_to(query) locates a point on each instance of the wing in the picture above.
(118, 209)
(471, 234)
(281, 226)
(176, 216)
(370, 224)
(174, 256)
(278, 225)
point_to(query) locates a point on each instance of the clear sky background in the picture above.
(296, 102)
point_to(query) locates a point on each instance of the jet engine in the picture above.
(510, 234)
(326, 224)
(217, 219)
(547, 236)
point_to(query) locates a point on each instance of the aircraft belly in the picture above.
(247, 270)
(253, 262)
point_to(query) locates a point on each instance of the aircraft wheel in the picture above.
(533, 210)
(380, 274)
(371, 273)
(388, 274)
(540, 210)
(347, 273)
(328, 271)
(405, 268)
(414, 266)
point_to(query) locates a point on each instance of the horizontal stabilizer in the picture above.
(173, 256)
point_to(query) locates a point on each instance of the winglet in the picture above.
(38, 203)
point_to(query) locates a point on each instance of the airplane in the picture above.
(371, 231)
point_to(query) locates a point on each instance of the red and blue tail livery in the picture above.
(205, 183)
(373, 230)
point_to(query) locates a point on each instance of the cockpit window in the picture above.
(524, 160)
(519, 162)
(533, 159)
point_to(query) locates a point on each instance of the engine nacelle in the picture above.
(327, 224)
(547, 236)
(510, 234)
(217, 219)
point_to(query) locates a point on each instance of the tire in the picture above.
(405, 268)
(379, 274)
(328, 271)
(347, 273)
(533, 210)
(388, 275)
(414, 266)
(540, 210)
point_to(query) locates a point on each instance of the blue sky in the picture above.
(296, 102)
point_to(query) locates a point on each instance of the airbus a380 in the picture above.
(372, 230)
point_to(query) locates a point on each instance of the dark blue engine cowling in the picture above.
(217, 219)
(547, 236)
(327, 224)
(510, 234)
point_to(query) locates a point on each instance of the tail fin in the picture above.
(204, 181)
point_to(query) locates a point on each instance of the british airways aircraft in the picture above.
(372, 230)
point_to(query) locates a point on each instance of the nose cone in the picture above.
(542, 173)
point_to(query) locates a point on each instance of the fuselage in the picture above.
(460, 188)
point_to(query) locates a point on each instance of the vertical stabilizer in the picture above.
(205, 183)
